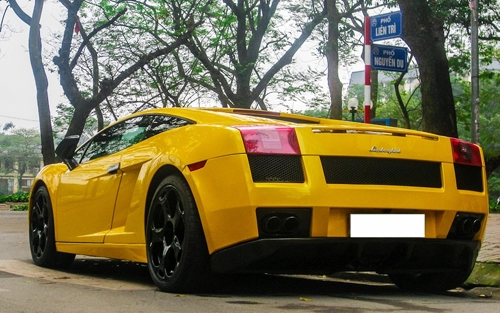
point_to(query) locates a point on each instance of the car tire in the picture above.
(429, 282)
(177, 252)
(42, 233)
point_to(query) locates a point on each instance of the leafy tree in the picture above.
(490, 124)
(403, 105)
(172, 23)
(489, 118)
(245, 44)
(20, 152)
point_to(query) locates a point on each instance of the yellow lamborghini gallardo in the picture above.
(192, 192)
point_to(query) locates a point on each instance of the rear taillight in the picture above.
(270, 140)
(465, 152)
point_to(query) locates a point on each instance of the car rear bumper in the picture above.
(228, 200)
(328, 255)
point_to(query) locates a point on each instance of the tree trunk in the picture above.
(79, 118)
(35, 51)
(332, 57)
(424, 34)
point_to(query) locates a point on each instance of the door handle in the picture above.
(113, 169)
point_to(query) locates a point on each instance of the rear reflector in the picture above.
(465, 152)
(196, 166)
(270, 140)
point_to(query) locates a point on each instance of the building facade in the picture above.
(11, 181)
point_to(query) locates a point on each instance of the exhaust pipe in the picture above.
(280, 224)
(469, 226)
(272, 224)
(284, 222)
(291, 224)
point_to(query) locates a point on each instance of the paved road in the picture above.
(101, 285)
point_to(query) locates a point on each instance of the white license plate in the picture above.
(388, 225)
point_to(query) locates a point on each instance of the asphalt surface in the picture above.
(486, 272)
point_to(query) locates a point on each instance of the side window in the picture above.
(115, 138)
(80, 152)
(162, 123)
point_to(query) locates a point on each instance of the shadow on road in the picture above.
(234, 284)
(108, 273)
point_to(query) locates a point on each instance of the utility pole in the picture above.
(474, 5)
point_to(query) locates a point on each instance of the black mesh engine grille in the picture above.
(374, 171)
(469, 177)
(276, 168)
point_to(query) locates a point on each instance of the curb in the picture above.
(484, 274)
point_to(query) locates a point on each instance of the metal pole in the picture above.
(474, 5)
(368, 67)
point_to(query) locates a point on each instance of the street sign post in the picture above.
(386, 26)
(389, 58)
(383, 58)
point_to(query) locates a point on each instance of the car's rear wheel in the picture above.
(429, 282)
(176, 247)
(42, 233)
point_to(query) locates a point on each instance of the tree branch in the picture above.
(19, 12)
(92, 34)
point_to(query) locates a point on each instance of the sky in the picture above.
(17, 85)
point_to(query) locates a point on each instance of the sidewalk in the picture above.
(487, 269)
(490, 251)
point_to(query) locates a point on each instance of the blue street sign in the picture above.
(389, 58)
(386, 26)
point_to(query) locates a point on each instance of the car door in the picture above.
(134, 166)
(86, 195)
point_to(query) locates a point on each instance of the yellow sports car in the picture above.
(192, 192)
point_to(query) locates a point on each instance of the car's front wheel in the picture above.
(42, 233)
(429, 282)
(176, 247)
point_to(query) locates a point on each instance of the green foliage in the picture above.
(489, 107)
(387, 105)
(494, 190)
(20, 207)
(15, 197)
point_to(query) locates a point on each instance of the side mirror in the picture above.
(66, 149)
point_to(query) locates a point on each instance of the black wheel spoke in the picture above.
(160, 265)
(179, 216)
(39, 225)
(166, 232)
(156, 237)
(177, 247)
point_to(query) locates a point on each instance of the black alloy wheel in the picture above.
(176, 247)
(42, 233)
